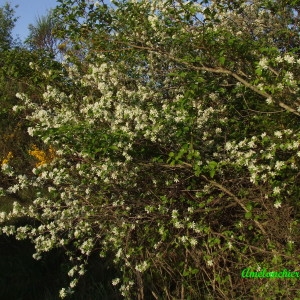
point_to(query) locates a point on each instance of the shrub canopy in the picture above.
(173, 146)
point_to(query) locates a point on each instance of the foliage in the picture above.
(7, 23)
(176, 144)
(16, 76)
(41, 35)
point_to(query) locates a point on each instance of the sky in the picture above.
(28, 11)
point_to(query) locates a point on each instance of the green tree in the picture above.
(7, 23)
(41, 35)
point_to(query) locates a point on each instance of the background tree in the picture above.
(42, 35)
(7, 23)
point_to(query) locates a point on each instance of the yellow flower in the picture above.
(42, 156)
(7, 159)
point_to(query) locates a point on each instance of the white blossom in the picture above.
(277, 204)
(276, 190)
(193, 242)
(142, 267)
(288, 58)
(115, 281)
(263, 63)
(278, 134)
(269, 100)
(210, 263)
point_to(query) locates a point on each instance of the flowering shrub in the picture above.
(177, 148)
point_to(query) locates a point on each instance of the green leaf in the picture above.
(258, 71)
(212, 166)
(222, 60)
(249, 206)
(212, 173)
(248, 215)
(194, 271)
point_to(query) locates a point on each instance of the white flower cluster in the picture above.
(255, 161)
(142, 267)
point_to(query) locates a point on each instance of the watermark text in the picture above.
(248, 273)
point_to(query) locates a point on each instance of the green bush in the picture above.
(176, 138)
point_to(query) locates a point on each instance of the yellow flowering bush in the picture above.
(43, 157)
(7, 159)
